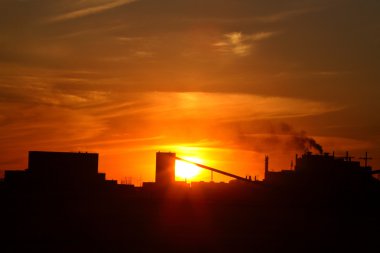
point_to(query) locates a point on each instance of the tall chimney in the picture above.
(266, 167)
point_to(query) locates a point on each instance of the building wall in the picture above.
(78, 164)
(59, 171)
(63, 169)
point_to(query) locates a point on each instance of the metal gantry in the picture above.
(216, 170)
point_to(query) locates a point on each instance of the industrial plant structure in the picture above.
(323, 168)
(70, 171)
(165, 168)
(58, 171)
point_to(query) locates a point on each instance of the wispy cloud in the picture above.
(112, 114)
(143, 54)
(241, 107)
(240, 44)
(86, 11)
(280, 16)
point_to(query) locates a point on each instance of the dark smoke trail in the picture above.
(281, 137)
(305, 143)
(315, 145)
(300, 140)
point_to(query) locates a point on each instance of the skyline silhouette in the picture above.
(41, 160)
(62, 203)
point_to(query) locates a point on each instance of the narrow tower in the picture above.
(165, 168)
(266, 167)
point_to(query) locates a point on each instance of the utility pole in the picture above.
(366, 158)
(348, 158)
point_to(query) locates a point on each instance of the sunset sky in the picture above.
(224, 81)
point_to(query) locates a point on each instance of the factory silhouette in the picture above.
(78, 172)
(62, 203)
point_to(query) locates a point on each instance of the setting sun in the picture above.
(186, 171)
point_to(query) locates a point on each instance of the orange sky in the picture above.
(226, 82)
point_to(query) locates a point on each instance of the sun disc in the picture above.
(184, 170)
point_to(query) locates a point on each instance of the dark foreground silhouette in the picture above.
(299, 215)
(184, 222)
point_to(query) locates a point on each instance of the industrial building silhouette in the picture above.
(165, 168)
(58, 171)
(322, 168)
(78, 171)
(61, 203)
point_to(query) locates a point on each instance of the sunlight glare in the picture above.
(186, 171)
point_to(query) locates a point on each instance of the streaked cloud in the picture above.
(236, 107)
(240, 44)
(91, 10)
(280, 16)
(143, 54)
(88, 118)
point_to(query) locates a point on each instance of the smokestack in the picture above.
(266, 167)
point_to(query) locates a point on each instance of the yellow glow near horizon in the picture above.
(187, 171)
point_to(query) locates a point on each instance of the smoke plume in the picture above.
(300, 140)
(280, 137)
(305, 143)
